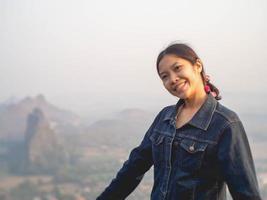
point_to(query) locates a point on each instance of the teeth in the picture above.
(179, 85)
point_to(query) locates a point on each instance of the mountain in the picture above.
(45, 151)
(13, 117)
(124, 129)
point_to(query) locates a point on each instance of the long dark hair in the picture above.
(184, 51)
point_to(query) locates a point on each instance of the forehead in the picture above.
(168, 60)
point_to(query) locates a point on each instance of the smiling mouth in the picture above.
(179, 86)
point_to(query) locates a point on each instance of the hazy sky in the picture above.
(88, 55)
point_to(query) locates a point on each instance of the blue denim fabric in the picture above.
(194, 162)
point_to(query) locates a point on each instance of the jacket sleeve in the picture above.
(130, 175)
(236, 163)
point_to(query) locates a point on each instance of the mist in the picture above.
(95, 57)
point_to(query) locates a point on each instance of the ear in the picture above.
(199, 65)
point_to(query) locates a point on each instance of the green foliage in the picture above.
(3, 170)
(15, 158)
(24, 191)
(61, 196)
(69, 174)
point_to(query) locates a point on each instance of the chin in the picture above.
(181, 95)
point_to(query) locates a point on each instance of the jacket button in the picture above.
(191, 148)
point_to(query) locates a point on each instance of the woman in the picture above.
(197, 146)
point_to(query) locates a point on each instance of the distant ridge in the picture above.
(13, 117)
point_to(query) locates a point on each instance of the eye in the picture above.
(164, 77)
(177, 67)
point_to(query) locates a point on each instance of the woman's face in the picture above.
(180, 77)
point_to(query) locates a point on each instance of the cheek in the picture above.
(166, 85)
(190, 76)
(184, 74)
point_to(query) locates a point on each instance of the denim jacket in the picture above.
(194, 162)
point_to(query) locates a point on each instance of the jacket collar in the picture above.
(203, 116)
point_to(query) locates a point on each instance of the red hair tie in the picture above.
(207, 89)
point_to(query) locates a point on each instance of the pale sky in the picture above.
(96, 56)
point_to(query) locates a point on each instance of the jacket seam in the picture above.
(226, 117)
(226, 126)
(220, 135)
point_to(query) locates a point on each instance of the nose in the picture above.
(174, 78)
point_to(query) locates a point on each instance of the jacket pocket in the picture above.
(191, 154)
(157, 149)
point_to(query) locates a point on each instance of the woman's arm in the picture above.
(236, 163)
(132, 171)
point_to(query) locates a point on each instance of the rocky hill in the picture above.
(13, 117)
(125, 129)
(44, 150)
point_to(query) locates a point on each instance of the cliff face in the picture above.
(13, 117)
(44, 151)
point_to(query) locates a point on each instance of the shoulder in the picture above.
(222, 118)
(227, 123)
(169, 108)
(226, 113)
(165, 113)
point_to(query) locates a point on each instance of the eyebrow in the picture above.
(170, 67)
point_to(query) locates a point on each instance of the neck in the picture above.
(196, 100)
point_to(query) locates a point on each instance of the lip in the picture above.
(179, 85)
